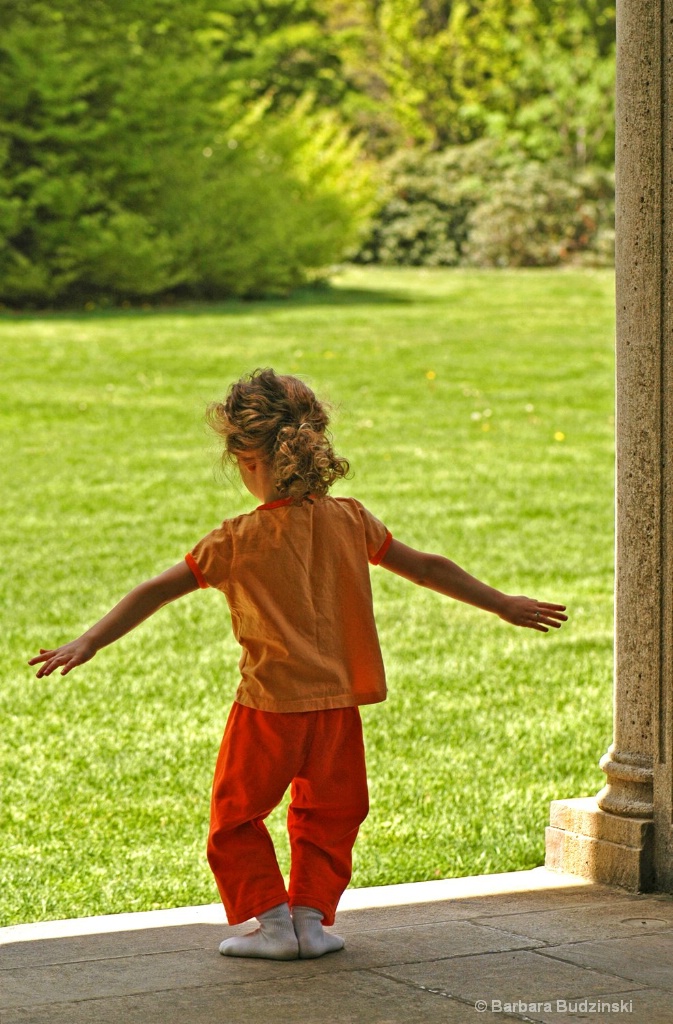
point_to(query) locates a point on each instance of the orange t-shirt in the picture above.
(296, 578)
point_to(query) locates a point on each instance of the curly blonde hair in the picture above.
(280, 420)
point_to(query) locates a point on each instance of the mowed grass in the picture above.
(477, 411)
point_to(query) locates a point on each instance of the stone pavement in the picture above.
(533, 945)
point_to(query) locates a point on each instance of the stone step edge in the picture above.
(401, 894)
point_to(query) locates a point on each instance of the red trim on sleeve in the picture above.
(381, 553)
(200, 578)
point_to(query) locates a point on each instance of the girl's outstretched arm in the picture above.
(444, 576)
(143, 601)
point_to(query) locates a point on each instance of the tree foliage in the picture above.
(455, 71)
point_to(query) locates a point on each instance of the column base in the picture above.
(584, 840)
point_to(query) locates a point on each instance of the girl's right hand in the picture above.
(532, 614)
(69, 655)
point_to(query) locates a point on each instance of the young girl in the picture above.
(295, 573)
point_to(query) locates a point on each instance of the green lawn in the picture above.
(476, 408)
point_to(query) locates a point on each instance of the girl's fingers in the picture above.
(49, 667)
(555, 611)
(46, 656)
(550, 613)
(551, 617)
(42, 656)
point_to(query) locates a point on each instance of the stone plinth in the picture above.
(584, 840)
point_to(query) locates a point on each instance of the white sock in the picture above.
(312, 938)
(273, 940)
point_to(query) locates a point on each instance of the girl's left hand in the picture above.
(75, 653)
(532, 614)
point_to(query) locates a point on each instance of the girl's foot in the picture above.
(273, 940)
(312, 938)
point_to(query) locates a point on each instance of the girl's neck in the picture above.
(258, 478)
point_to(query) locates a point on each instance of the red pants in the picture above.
(321, 755)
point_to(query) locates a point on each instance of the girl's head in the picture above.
(278, 420)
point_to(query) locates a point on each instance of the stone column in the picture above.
(613, 837)
(663, 697)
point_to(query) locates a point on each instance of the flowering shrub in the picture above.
(482, 204)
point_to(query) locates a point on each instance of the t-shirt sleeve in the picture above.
(378, 536)
(210, 559)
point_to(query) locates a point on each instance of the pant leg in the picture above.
(329, 803)
(260, 754)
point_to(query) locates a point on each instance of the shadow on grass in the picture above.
(309, 295)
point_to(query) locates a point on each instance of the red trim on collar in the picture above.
(275, 504)
(283, 501)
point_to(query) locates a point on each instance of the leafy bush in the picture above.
(488, 204)
(541, 215)
(271, 202)
(427, 200)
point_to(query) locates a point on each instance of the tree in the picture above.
(451, 71)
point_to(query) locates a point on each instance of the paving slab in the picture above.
(645, 960)
(473, 907)
(119, 975)
(618, 919)
(427, 942)
(519, 975)
(552, 899)
(73, 948)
